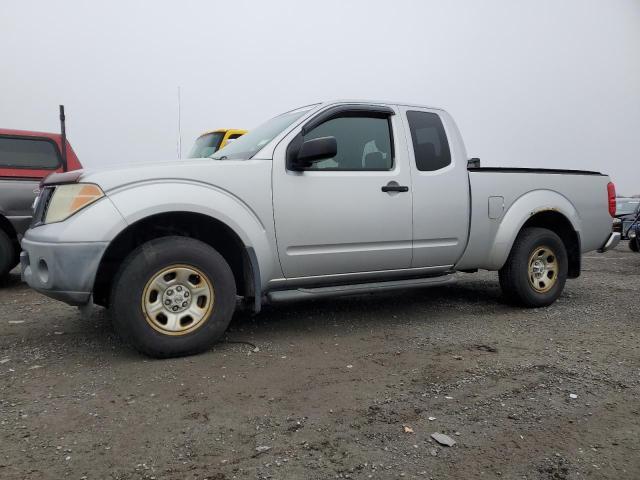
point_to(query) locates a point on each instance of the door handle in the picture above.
(394, 187)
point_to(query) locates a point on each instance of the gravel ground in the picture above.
(347, 388)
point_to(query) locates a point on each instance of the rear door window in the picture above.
(430, 144)
(28, 153)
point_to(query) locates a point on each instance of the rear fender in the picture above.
(521, 210)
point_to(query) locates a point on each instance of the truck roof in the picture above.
(377, 102)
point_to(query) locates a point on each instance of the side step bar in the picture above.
(357, 289)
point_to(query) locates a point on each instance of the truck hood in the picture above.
(201, 170)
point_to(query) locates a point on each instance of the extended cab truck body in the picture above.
(25, 159)
(210, 142)
(330, 199)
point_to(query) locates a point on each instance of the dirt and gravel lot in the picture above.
(347, 388)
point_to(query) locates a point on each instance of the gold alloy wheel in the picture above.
(543, 269)
(177, 300)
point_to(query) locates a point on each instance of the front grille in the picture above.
(42, 205)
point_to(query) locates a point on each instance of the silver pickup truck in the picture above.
(337, 198)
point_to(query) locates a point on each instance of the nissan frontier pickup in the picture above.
(338, 198)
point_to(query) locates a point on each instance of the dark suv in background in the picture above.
(627, 210)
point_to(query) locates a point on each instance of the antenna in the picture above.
(179, 128)
(63, 138)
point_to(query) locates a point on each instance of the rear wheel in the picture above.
(8, 254)
(173, 296)
(536, 270)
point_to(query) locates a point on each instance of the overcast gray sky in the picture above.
(530, 83)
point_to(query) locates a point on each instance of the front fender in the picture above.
(99, 222)
(252, 222)
(517, 215)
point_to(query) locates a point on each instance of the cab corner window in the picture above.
(430, 144)
(364, 143)
(35, 154)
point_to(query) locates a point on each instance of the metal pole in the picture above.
(179, 127)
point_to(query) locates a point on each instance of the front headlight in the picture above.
(69, 199)
(632, 233)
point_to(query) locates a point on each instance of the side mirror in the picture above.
(314, 150)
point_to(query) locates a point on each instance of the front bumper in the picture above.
(64, 271)
(612, 241)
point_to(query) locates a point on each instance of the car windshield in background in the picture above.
(206, 145)
(627, 206)
(248, 145)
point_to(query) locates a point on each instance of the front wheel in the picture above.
(173, 296)
(633, 244)
(536, 270)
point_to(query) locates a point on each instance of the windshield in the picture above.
(248, 145)
(206, 145)
(627, 206)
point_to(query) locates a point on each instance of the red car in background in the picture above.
(25, 159)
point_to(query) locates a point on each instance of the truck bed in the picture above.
(512, 195)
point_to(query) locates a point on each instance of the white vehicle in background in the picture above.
(337, 198)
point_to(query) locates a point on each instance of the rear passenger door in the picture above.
(440, 185)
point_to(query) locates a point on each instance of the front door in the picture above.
(337, 217)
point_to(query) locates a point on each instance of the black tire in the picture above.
(130, 285)
(8, 254)
(633, 245)
(514, 275)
